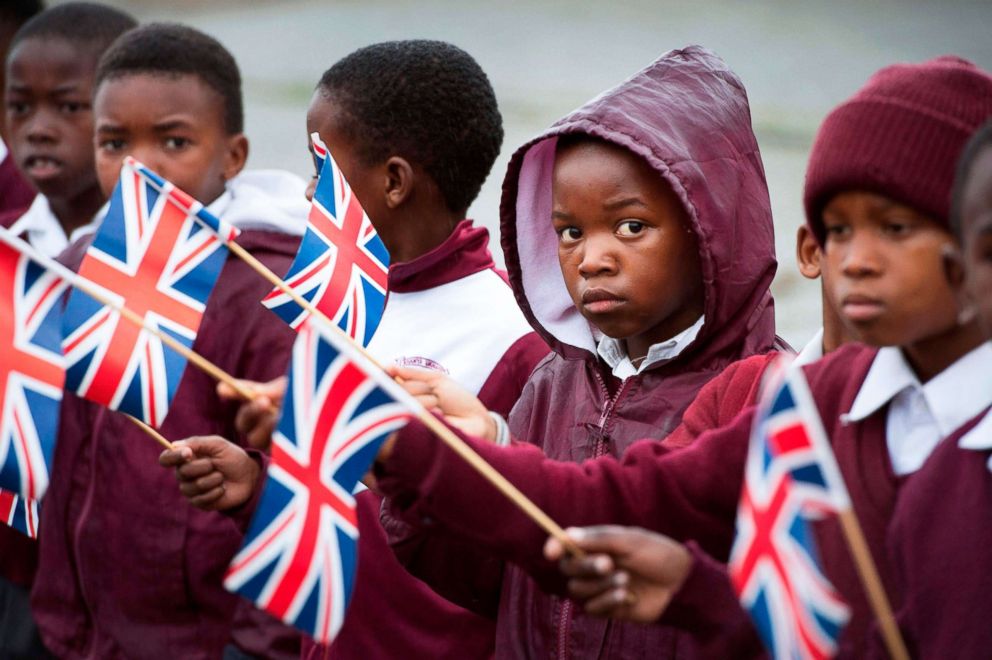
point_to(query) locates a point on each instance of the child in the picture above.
(638, 200)
(49, 85)
(15, 193)
(876, 197)
(940, 536)
(126, 567)
(51, 66)
(382, 111)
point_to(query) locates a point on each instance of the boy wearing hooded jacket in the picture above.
(614, 226)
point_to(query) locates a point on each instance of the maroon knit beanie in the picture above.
(900, 136)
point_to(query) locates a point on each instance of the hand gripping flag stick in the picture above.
(98, 294)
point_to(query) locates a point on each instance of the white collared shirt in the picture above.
(979, 438)
(812, 351)
(615, 355)
(921, 415)
(44, 231)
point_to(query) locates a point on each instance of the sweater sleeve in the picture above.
(687, 494)
(707, 607)
(456, 567)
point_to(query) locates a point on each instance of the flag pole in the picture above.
(150, 432)
(873, 584)
(487, 471)
(95, 292)
(851, 528)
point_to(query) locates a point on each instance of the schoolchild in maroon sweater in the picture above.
(15, 192)
(877, 195)
(127, 568)
(385, 113)
(612, 226)
(940, 539)
(49, 130)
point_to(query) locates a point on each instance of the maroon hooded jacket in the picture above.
(127, 568)
(687, 116)
(689, 494)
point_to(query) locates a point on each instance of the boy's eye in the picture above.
(111, 145)
(897, 228)
(568, 235)
(836, 231)
(16, 108)
(630, 228)
(72, 107)
(175, 142)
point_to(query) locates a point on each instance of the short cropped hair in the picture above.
(86, 23)
(981, 140)
(427, 101)
(170, 49)
(18, 12)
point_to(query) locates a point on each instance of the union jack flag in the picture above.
(341, 266)
(791, 477)
(298, 559)
(32, 369)
(19, 513)
(154, 255)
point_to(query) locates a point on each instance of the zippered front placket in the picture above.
(565, 618)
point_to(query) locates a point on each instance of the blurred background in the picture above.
(797, 58)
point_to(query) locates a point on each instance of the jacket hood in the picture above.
(267, 200)
(687, 115)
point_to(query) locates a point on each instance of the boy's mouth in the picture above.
(41, 168)
(860, 308)
(600, 301)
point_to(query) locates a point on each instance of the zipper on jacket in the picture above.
(565, 618)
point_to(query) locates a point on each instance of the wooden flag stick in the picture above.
(95, 292)
(873, 585)
(150, 432)
(501, 483)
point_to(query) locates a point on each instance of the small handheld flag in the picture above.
(341, 266)
(791, 477)
(32, 370)
(19, 513)
(299, 557)
(154, 255)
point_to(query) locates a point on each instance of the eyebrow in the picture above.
(623, 203)
(172, 124)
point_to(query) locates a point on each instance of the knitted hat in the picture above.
(900, 136)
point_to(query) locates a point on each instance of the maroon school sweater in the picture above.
(689, 493)
(127, 567)
(940, 542)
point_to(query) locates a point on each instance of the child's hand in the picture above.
(257, 419)
(213, 474)
(437, 392)
(629, 573)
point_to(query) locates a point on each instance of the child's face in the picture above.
(323, 118)
(883, 266)
(173, 125)
(629, 259)
(976, 213)
(49, 117)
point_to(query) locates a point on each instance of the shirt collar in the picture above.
(3, 150)
(979, 438)
(953, 396)
(812, 351)
(465, 252)
(613, 353)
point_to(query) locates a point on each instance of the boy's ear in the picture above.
(399, 181)
(807, 253)
(955, 273)
(237, 155)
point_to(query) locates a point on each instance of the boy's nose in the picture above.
(41, 128)
(861, 257)
(597, 258)
(311, 187)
